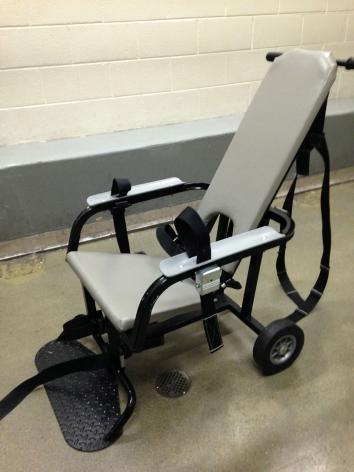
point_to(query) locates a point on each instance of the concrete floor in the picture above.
(233, 418)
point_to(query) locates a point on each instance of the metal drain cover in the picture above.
(172, 384)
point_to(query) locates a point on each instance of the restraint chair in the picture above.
(134, 300)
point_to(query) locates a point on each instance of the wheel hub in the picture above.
(283, 349)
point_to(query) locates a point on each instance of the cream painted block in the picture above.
(246, 66)
(312, 47)
(21, 47)
(13, 13)
(134, 10)
(225, 100)
(138, 77)
(198, 71)
(350, 32)
(173, 107)
(167, 38)
(43, 123)
(46, 12)
(224, 34)
(340, 50)
(77, 82)
(20, 88)
(106, 42)
(93, 117)
(346, 84)
(19, 125)
(299, 6)
(324, 28)
(194, 8)
(280, 30)
(338, 5)
(251, 7)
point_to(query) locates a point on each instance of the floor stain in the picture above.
(20, 267)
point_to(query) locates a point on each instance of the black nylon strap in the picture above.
(15, 397)
(193, 234)
(120, 228)
(80, 327)
(120, 187)
(211, 323)
(168, 240)
(305, 306)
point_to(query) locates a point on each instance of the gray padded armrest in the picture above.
(140, 189)
(219, 249)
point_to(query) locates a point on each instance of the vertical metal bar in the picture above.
(251, 285)
(225, 227)
(143, 314)
(91, 311)
(120, 227)
(89, 303)
(114, 342)
(222, 227)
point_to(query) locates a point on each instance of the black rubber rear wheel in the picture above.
(277, 346)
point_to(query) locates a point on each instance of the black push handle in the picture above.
(272, 55)
(347, 63)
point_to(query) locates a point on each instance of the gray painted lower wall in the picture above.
(43, 186)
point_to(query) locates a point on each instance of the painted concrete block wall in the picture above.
(77, 67)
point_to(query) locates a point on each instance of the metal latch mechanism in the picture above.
(207, 280)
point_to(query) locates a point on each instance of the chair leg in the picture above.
(117, 428)
(115, 348)
(251, 285)
(90, 303)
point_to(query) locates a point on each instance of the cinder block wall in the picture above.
(79, 67)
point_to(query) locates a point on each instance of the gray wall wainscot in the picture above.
(43, 186)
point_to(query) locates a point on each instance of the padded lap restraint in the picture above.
(168, 239)
(192, 236)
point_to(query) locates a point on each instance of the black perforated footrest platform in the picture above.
(86, 404)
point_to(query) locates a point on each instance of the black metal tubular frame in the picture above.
(117, 208)
(144, 334)
(137, 338)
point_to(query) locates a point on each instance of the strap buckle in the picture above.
(207, 280)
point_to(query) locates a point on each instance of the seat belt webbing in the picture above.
(15, 397)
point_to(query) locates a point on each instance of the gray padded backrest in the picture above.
(269, 136)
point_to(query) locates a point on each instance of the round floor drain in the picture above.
(173, 384)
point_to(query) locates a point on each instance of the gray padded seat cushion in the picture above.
(118, 281)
